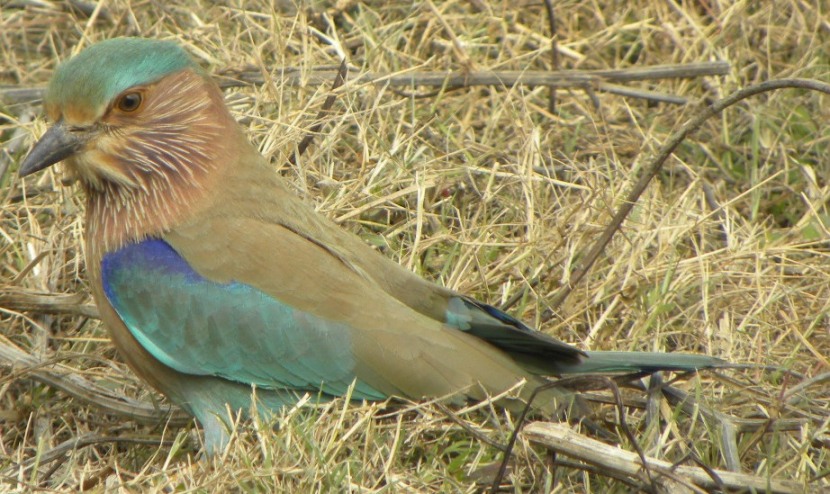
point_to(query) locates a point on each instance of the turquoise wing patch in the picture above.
(229, 330)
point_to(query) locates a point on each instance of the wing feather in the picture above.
(229, 329)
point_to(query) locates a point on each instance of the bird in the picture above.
(217, 283)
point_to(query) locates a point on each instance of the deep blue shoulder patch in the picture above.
(230, 330)
(151, 254)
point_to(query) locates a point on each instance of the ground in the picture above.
(486, 189)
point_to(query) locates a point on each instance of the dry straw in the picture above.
(482, 188)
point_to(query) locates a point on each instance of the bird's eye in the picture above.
(129, 102)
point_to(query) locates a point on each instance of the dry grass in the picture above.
(454, 186)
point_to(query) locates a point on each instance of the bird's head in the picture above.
(128, 113)
(144, 129)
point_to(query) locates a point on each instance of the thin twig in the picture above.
(79, 442)
(565, 441)
(554, 51)
(743, 425)
(67, 380)
(324, 111)
(822, 379)
(18, 299)
(656, 164)
(470, 429)
(604, 382)
(447, 79)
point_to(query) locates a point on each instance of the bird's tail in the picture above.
(543, 355)
(620, 362)
(561, 402)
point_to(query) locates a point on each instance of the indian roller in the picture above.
(214, 279)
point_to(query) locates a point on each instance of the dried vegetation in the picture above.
(482, 189)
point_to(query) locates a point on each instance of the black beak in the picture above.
(56, 145)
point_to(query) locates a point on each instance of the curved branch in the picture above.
(662, 155)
